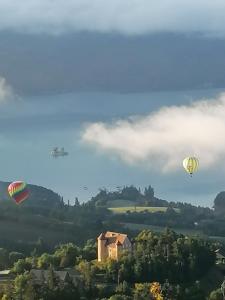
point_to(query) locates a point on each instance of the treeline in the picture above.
(139, 198)
(188, 217)
(208, 221)
(38, 195)
(22, 226)
(160, 267)
(130, 193)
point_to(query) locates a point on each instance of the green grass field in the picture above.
(17, 231)
(159, 229)
(122, 210)
(120, 203)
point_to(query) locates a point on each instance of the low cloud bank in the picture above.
(163, 138)
(6, 91)
(126, 17)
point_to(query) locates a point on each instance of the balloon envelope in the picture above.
(190, 164)
(18, 191)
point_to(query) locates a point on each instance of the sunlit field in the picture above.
(122, 210)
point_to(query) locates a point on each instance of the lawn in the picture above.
(122, 210)
(120, 203)
(29, 233)
(159, 229)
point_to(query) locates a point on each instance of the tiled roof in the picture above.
(113, 238)
(220, 251)
(5, 272)
(101, 237)
(44, 274)
(118, 243)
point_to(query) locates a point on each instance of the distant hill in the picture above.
(43, 216)
(128, 196)
(39, 196)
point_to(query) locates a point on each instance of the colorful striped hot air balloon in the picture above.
(18, 191)
(190, 164)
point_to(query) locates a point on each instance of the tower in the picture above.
(101, 247)
(118, 249)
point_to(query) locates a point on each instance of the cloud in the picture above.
(127, 16)
(164, 138)
(6, 91)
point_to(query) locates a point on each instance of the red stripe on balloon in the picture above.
(21, 196)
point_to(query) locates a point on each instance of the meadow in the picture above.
(122, 210)
(159, 229)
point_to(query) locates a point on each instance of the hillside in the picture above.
(21, 226)
(44, 215)
(128, 196)
(39, 196)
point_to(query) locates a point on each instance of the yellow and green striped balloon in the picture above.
(190, 164)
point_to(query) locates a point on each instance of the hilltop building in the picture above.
(41, 276)
(110, 245)
(220, 256)
(6, 275)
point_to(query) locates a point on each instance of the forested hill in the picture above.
(38, 195)
(128, 209)
(129, 196)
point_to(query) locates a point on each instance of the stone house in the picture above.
(220, 256)
(111, 244)
(41, 276)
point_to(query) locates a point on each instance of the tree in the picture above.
(219, 203)
(216, 295)
(15, 256)
(21, 284)
(67, 254)
(130, 193)
(111, 267)
(155, 290)
(88, 271)
(89, 250)
(77, 203)
(46, 260)
(123, 288)
(69, 290)
(30, 292)
(21, 266)
(142, 292)
(40, 245)
(149, 193)
(120, 297)
(3, 258)
(5, 297)
(8, 291)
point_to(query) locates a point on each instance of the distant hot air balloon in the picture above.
(190, 164)
(18, 191)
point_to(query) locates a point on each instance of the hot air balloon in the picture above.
(190, 164)
(18, 191)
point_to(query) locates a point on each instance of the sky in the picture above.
(129, 17)
(116, 140)
(164, 137)
(141, 137)
(6, 91)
